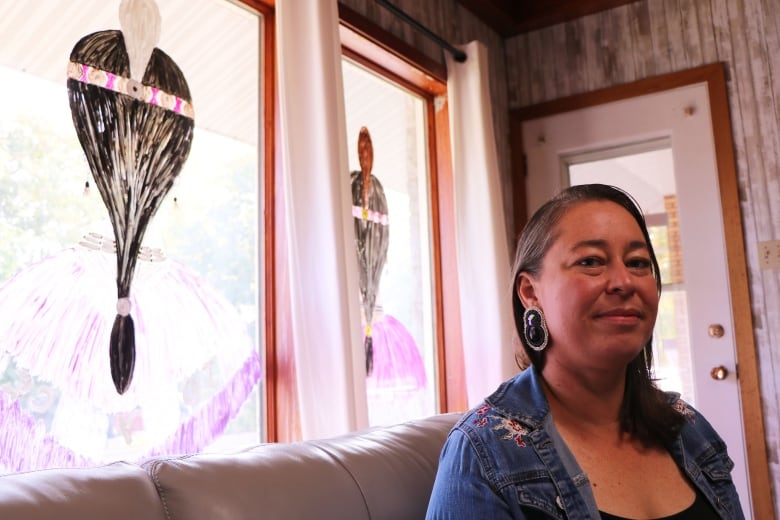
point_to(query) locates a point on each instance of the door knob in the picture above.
(719, 373)
(716, 330)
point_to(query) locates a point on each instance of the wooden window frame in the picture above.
(266, 8)
(378, 50)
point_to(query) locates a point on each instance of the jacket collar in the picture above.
(522, 392)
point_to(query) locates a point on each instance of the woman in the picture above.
(584, 432)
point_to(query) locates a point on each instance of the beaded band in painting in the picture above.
(108, 80)
(370, 215)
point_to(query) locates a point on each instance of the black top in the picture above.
(699, 510)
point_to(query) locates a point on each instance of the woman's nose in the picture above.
(619, 279)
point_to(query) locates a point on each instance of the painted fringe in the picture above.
(54, 324)
(397, 360)
(203, 428)
(26, 446)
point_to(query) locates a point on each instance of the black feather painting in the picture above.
(372, 234)
(136, 129)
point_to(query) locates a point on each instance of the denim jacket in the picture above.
(504, 459)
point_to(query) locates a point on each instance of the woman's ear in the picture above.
(526, 290)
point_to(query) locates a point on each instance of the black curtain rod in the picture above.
(458, 54)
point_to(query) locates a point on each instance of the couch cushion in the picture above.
(376, 473)
(271, 481)
(119, 491)
(395, 466)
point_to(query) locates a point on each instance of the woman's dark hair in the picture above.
(646, 412)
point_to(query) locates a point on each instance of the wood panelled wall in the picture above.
(636, 41)
(652, 37)
(458, 26)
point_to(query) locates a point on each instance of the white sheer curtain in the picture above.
(329, 358)
(483, 259)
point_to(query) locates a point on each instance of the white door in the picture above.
(659, 147)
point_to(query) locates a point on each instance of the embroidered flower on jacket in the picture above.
(514, 431)
(482, 419)
(680, 406)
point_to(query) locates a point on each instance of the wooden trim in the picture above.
(424, 90)
(519, 175)
(437, 204)
(703, 74)
(269, 213)
(264, 7)
(452, 370)
(513, 18)
(267, 173)
(747, 361)
(394, 54)
(714, 77)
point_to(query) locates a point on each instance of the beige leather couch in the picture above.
(380, 473)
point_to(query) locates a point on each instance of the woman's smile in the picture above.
(621, 316)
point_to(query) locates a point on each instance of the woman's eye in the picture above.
(590, 261)
(639, 263)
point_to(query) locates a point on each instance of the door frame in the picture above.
(714, 76)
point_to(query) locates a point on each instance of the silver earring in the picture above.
(535, 329)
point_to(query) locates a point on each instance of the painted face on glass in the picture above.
(596, 288)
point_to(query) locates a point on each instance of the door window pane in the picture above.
(646, 171)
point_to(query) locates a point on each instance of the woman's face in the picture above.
(596, 288)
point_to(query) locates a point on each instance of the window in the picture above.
(403, 108)
(397, 288)
(197, 290)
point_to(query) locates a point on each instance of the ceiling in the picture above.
(512, 17)
(217, 30)
(38, 42)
